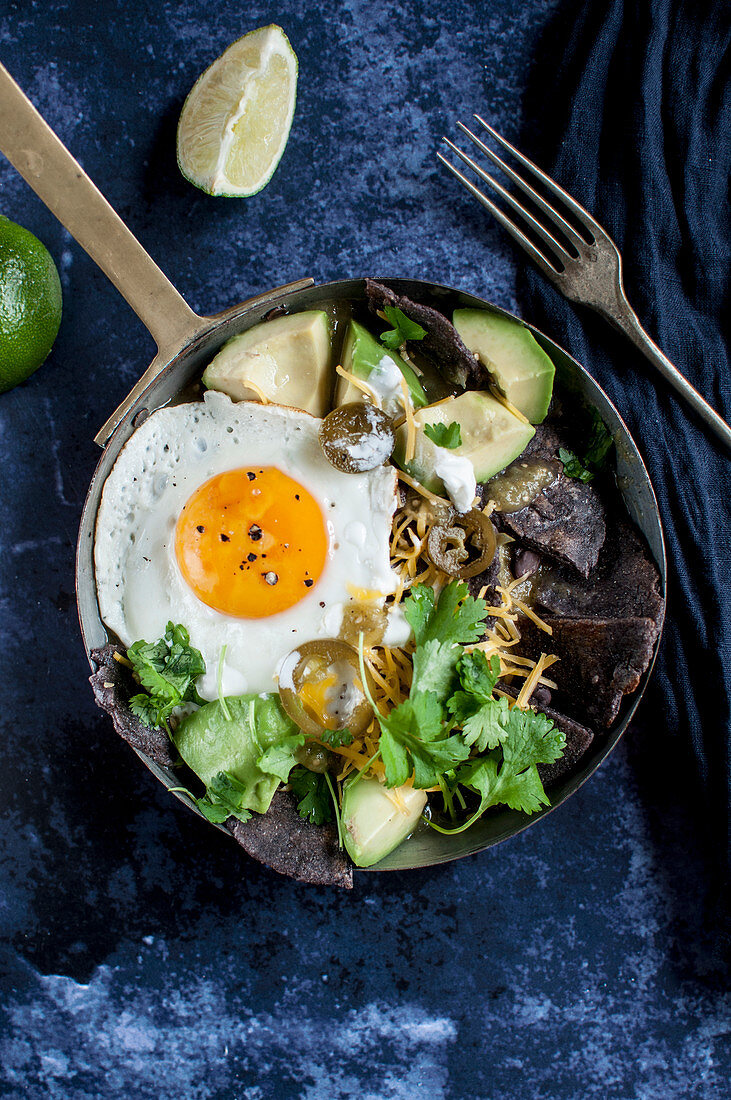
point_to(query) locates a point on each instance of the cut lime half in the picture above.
(235, 123)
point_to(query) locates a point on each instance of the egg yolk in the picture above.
(251, 542)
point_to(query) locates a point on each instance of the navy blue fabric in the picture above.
(629, 108)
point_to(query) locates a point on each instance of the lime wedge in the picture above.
(236, 120)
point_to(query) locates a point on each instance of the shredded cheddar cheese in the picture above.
(257, 390)
(359, 385)
(410, 422)
(502, 399)
(530, 614)
(531, 683)
(419, 488)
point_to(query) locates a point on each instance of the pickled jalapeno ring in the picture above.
(314, 757)
(357, 437)
(463, 548)
(320, 688)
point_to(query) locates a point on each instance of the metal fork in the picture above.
(586, 267)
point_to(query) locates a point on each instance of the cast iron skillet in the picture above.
(186, 343)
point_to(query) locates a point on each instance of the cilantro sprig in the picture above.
(474, 707)
(167, 669)
(223, 799)
(313, 794)
(416, 736)
(444, 435)
(403, 329)
(453, 731)
(596, 455)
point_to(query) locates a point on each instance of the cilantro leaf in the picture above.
(444, 435)
(336, 738)
(596, 457)
(532, 738)
(477, 675)
(224, 799)
(600, 443)
(411, 740)
(440, 629)
(434, 667)
(573, 466)
(456, 618)
(509, 774)
(312, 791)
(485, 727)
(418, 610)
(279, 759)
(147, 712)
(497, 783)
(403, 329)
(474, 708)
(167, 669)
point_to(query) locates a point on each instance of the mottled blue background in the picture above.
(142, 955)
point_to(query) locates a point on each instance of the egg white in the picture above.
(139, 584)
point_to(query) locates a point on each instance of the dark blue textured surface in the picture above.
(144, 957)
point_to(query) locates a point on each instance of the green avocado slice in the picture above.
(210, 743)
(287, 359)
(518, 364)
(363, 355)
(492, 437)
(376, 820)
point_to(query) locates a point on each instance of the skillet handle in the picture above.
(59, 181)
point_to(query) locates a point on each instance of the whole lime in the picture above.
(30, 303)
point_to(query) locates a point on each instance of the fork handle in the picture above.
(624, 318)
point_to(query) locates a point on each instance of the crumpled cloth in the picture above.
(629, 108)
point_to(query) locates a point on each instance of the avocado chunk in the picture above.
(492, 437)
(364, 357)
(210, 743)
(518, 365)
(287, 360)
(376, 820)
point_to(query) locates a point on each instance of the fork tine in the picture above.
(583, 216)
(568, 230)
(507, 223)
(542, 232)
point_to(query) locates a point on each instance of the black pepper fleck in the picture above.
(200, 530)
(309, 583)
(270, 578)
(251, 475)
(255, 532)
(251, 557)
(224, 538)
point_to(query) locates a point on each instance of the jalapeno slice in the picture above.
(314, 757)
(464, 546)
(357, 437)
(320, 688)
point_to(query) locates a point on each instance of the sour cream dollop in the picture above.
(458, 475)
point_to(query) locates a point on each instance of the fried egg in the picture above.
(226, 517)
